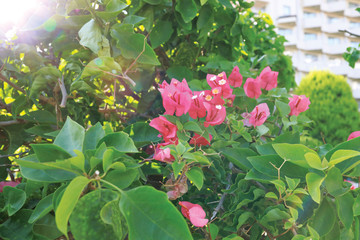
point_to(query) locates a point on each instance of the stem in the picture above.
(11, 122)
(112, 185)
(63, 92)
(4, 79)
(209, 231)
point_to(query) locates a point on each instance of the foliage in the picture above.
(329, 95)
(352, 54)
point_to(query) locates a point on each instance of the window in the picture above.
(333, 41)
(354, 44)
(309, 15)
(353, 5)
(309, 58)
(354, 24)
(285, 31)
(332, 20)
(310, 36)
(286, 10)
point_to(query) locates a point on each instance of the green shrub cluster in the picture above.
(333, 108)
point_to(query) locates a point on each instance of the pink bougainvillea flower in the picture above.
(197, 109)
(268, 79)
(199, 140)
(177, 189)
(259, 114)
(163, 155)
(194, 212)
(235, 78)
(8, 183)
(216, 112)
(246, 117)
(252, 88)
(220, 81)
(166, 128)
(354, 135)
(176, 97)
(298, 104)
(230, 100)
(354, 185)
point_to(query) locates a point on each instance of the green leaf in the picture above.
(122, 179)
(294, 153)
(356, 206)
(70, 137)
(238, 156)
(17, 227)
(46, 227)
(68, 202)
(120, 141)
(161, 33)
(292, 183)
(153, 2)
(85, 221)
(177, 167)
(43, 207)
(193, 126)
(91, 36)
(93, 136)
(14, 199)
(334, 182)
(78, 161)
(283, 108)
(108, 159)
(111, 214)
(101, 67)
(314, 182)
(187, 9)
(324, 218)
(49, 152)
(202, 2)
(274, 214)
(196, 175)
(142, 134)
(43, 78)
(314, 160)
(112, 9)
(271, 195)
(132, 44)
(342, 155)
(344, 206)
(262, 129)
(149, 214)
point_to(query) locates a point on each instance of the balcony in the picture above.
(313, 22)
(351, 12)
(333, 7)
(333, 27)
(337, 49)
(310, 45)
(289, 20)
(355, 74)
(307, 67)
(291, 41)
(312, 4)
(261, 3)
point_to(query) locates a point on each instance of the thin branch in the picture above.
(351, 33)
(223, 196)
(63, 91)
(4, 79)
(11, 122)
(133, 63)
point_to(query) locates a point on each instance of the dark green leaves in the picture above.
(14, 199)
(91, 36)
(150, 215)
(187, 9)
(120, 141)
(324, 218)
(161, 33)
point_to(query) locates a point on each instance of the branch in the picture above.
(11, 122)
(352, 34)
(4, 79)
(63, 92)
(223, 196)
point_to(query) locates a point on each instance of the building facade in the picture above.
(317, 34)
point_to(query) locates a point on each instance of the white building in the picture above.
(313, 29)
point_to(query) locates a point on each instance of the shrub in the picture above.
(333, 109)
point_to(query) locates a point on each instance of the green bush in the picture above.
(333, 108)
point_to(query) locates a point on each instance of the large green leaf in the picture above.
(334, 182)
(49, 152)
(120, 141)
(14, 199)
(112, 9)
(111, 214)
(161, 33)
(187, 9)
(344, 206)
(46, 227)
(150, 215)
(122, 179)
(93, 136)
(71, 137)
(342, 155)
(324, 218)
(85, 220)
(294, 153)
(283, 108)
(17, 227)
(91, 36)
(101, 67)
(132, 44)
(314, 182)
(142, 133)
(43, 78)
(196, 175)
(43, 207)
(238, 156)
(68, 202)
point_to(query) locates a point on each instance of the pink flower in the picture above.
(194, 212)
(354, 135)
(197, 109)
(230, 100)
(259, 114)
(200, 140)
(246, 117)
(176, 189)
(353, 184)
(176, 97)
(298, 104)
(163, 155)
(235, 78)
(220, 81)
(8, 183)
(268, 79)
(252, 88)
(216, 112)
(166, 128)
